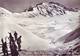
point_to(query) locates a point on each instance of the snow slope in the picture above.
(46, 23)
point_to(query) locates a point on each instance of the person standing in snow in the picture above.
(19, 43)
(4, 48)
(15, 35)
(13, 49)
(11, 39)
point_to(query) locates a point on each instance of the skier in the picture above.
(19, 43)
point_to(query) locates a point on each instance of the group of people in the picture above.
(14, 45)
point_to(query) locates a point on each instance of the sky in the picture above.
(20, 5)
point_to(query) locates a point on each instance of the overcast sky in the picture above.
(20, 5)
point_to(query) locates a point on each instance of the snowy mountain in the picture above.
(40, 26)
(49, 9)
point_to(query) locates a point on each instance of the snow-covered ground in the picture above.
(38, 31)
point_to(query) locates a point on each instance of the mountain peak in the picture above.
(50, 9)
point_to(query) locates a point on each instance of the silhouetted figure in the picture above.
(4, 48)
(15, 35)
(11, 37)
(13, 41)
(13, 49)
(19, 43)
